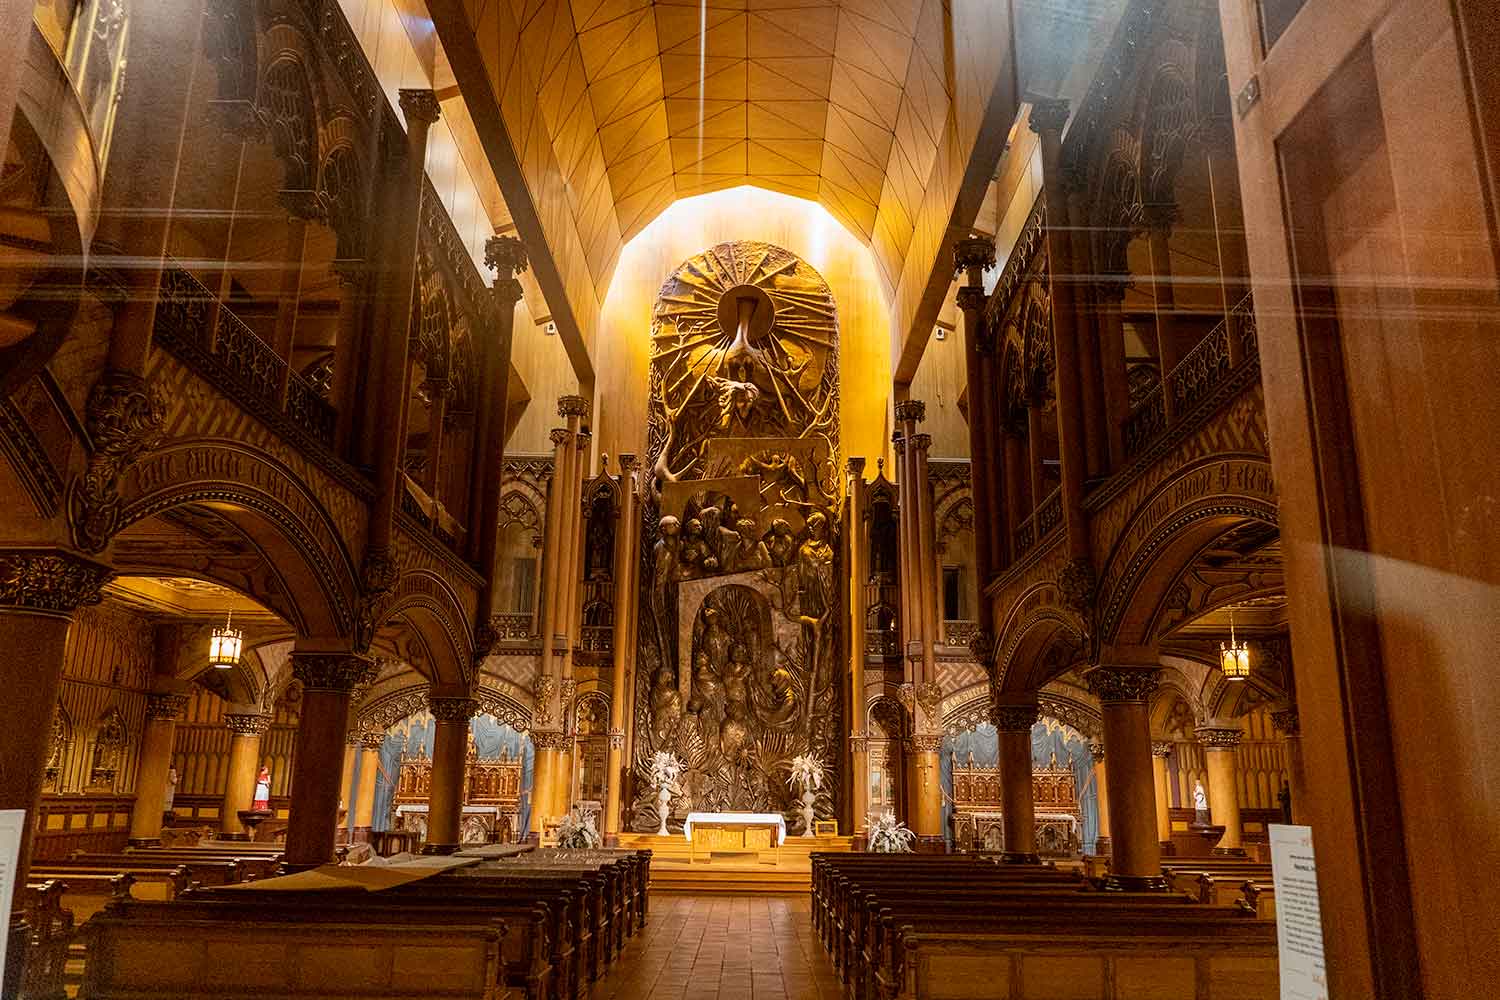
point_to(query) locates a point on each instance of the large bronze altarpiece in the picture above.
(738, 665)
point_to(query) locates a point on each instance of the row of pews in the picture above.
(958, 926)
(544, 925)
(1244, 883)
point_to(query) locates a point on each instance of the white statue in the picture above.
(1200, 803)
(664, 771)
(170, 792)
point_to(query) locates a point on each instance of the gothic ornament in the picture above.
(929, 696)
(1287, 721)
(125, 417)
(379, 575)
(926, 742)
(1161, 748)
(982, 647)
(337, 672)
(543, 689)
(372, 740)
(49, 580)
(551, 739)
(1076, 583)
(617, 739)
(1122, 684)
(976, 253)
(1096, 751)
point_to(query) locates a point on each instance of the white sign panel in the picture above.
(1299, 925)
(11, 822)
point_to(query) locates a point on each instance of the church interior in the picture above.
(749, 498)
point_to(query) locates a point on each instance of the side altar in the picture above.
(976, 807)
(492, 796)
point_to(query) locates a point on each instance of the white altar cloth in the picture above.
(737, 819)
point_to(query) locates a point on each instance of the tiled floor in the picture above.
(726, 947)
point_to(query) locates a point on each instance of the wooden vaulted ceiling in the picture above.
(841, 101)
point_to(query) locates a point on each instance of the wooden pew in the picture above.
(205, 871)
(212, 950)
(86, 892)
(1214, 880)
(50, 929)
(1258, 899)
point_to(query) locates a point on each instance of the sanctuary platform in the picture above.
(678, 867)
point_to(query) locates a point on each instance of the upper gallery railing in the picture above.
(1046, 519)
(204, 333)
(1229, 348)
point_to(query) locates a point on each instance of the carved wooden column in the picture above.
(1090, 371)
(1123, 692)
(1289, 724)
(1109, 296)
(571, 611)
(162, 711)
(972, 258)
(927, 578)
(857, 538)
(627, 568)
(1101, 788)
(369, 774)
(392, 347)
(349, 350)
(1017, 478)
(1013, 724)
(506, 256)
(1159, 222)
(347, 788)
(300, 207)
(328, 677)
(450, 748)
(1047, 120)
(906, 541)
(246, 729)
(40, 589)
(1160, 750)
(438, 388)
(549, 745)
(1221, 750)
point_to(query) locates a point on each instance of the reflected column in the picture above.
(1160, 750)
(369, 775)
(1289, 725)
(1221, 750)
(1101, 788)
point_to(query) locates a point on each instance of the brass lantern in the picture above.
(224, 644)
(1234, 657)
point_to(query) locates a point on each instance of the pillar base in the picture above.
(144, 841)
(1019, 858)
(1102, 846)
(237, 837)
(440, 848)
(1135, 883)
(1228, 852)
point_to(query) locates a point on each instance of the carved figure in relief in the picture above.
(694, 551)
(713, 540)
(664, 574)
(666, 705)
(782, 544)
(750, 551)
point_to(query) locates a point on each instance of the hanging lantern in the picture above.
(1234, 657)
(224, 645)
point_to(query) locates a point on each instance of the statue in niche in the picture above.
(736, 679)
(598, 562)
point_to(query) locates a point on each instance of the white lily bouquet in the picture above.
(665, 767)
(807, 771)
(577, 832)
(890, 836)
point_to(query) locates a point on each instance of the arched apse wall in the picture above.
(689, 227)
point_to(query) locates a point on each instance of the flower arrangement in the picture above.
(807, 771)
(890, 836)
(664, 768)
(577, 832)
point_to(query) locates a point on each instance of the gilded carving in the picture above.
(247, 724)
(1014, 718)
(1219, 737)
(125, 417)
(551, 739)
(49, 580)
(739, 649)
(1096, 751)
(1161, 748)
(1287, 722)
(164, 706)
(445, 709)
(544, 688)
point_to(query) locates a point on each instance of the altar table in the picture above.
(734, 831)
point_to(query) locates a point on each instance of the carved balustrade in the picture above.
(1147, 422)
(206, 336)
(958, 632)
(1040, 524)
(1202, 369)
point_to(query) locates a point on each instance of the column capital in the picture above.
(543, 689)
(336, 671)
(921, 442)
(461, 708)
(1048, 115)
(973, 256)
(926, 742)
(506, 256)
(898, 443)
(855, 466)
(572, 406)
(1122, 685)
(1219, 737)
(971, 298)
(1161, 215)
(371, 740)
(247, 724)
(628, 463)
(1161, 748)
(559, 436)
(617, 739)
(50, 580)
(1096, 751)
(859, 742)
(1017, 718)
(913, 410)
(164, 706)
(1287, 721)
(419, 104)
(550, 739)
(354, 737)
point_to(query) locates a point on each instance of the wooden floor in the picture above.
(729, 947)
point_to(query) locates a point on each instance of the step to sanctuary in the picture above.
(676, 867)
